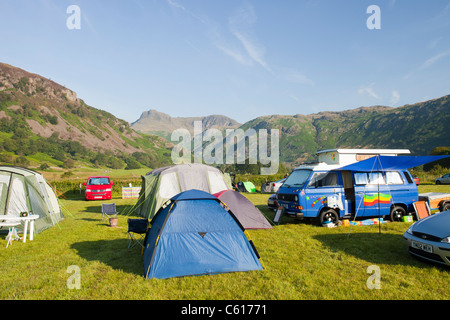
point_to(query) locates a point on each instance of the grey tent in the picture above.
(162, 184)
(265, 187)
(244, 210)
(24, 190)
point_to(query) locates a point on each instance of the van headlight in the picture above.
(446, 240)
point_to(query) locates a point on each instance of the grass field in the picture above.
(302, 261)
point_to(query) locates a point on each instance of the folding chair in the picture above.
(137, 229)
(12, 234)
(108, 209)
(422, 209)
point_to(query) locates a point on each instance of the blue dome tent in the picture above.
(195, 235)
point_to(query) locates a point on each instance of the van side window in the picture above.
(408, 177)
(323, 179)
(360, 178)
(393, 177)
(376, 178)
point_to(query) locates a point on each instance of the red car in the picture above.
(98, 188)
(416, 179)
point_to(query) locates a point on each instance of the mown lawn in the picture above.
(302, 260)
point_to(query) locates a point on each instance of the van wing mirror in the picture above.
(84, 183)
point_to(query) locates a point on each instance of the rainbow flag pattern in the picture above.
(370, 200)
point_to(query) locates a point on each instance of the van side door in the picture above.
(321, 185)
(371, 197)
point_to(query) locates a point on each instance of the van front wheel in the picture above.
(397, 213)
(328, 215)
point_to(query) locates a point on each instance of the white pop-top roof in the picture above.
(335, 158)
(382, 152)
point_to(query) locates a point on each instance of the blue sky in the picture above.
(243, 59)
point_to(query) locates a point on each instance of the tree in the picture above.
(68, 163)
(44, 166)
(132, 164)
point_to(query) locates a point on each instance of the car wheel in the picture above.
(328, 215)
(397, 213)
(438, 182)
(445, 207)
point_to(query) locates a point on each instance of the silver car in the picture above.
(274, 186)
(429, 238)
(445, 179)
(272, 202)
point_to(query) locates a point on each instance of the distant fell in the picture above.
(162, 124)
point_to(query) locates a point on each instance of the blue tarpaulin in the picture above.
(386, 163)
(195, 235)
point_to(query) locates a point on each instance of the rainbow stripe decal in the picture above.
(377, 198)
(321, 200)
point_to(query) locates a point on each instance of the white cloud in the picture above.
(296, 77)
(294, 97)
(247, 50)
(253, 49)
(368, 90)
(395, 98)
(176, 5)
(233, 53)
(241, 26)
(434, 59)
(434, 42)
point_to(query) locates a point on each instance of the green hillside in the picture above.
(45, 124)
(419, 127)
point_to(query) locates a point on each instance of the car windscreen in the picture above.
(98, 181)
(297, 178)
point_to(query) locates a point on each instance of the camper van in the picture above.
(327, 192)
(98, 188)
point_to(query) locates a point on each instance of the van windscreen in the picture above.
(297, 178)
(98, 181)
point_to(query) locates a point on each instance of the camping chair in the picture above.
(12, 234)
(137, 229)
(422, 209)
(108, 209)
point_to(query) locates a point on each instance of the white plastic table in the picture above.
(26, 220)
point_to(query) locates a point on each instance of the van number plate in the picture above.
(422, 246)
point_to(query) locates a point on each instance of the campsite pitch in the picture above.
(302, 261)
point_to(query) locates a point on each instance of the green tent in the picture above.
(249, 186)
(161, 184)
(24, 190)
(246, 186)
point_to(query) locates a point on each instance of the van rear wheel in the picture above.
(328, 215)
(445, 207)
(397, 213)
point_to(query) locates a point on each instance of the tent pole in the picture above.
(379, 212)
